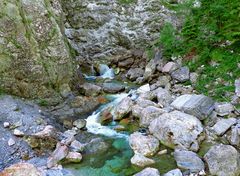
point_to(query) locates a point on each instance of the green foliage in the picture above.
(126, 1)
(43, 102)
(210, 37)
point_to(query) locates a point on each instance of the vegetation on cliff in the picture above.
(209, 41)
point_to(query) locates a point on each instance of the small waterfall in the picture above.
(93, 125)
(105, 72)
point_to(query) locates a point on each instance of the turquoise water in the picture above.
(116, 160)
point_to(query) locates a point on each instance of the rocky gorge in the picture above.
(81, 95)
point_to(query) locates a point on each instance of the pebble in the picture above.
(11, 142)
(6, 124)
(17, 132)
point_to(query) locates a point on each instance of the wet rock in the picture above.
(80, 123)
(21, 169)
(144, 145)
(223, 109)
(198, 105)
(148, 114)
(169, 67)
(123, 108)
(237, 87)
(77, 146)
(73, 157)
(11, 142)
(163, 96)
(59, 154)
(141, 160)
(113, 88)
(105, 116)
(134, 73)
(90, 89)
(18, 133)
(148, 172)
(95, 146)
(175, 172)
(119, 128)
(223, 160)
(188, 160)
(181, 75)
(177, 129)
(223, 125)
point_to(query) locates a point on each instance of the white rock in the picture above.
(141, 160)
(144, 89)
(17, 132)
(148, 172)
(177, 129)
(145, 145)
(223, 125)
(11, 142)
(223, 109)
(223, 160)
(175, 172)
(74, 157)
(198, 105)
(6, 124)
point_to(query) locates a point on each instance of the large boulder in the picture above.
(148, 114)
(177, 130)
(223, 160)
(34, 57)
(198, 105)
(148, 172)
(188, 160)
(145, 145)
(123, 108)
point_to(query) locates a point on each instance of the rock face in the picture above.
(148, 172)
(177, 129)
(21, 169)
(188, 160)
(223, 160)
(97, 29)
(34, 59)
(198, 105)
(145, 145)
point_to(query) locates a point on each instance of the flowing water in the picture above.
(116, 161)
